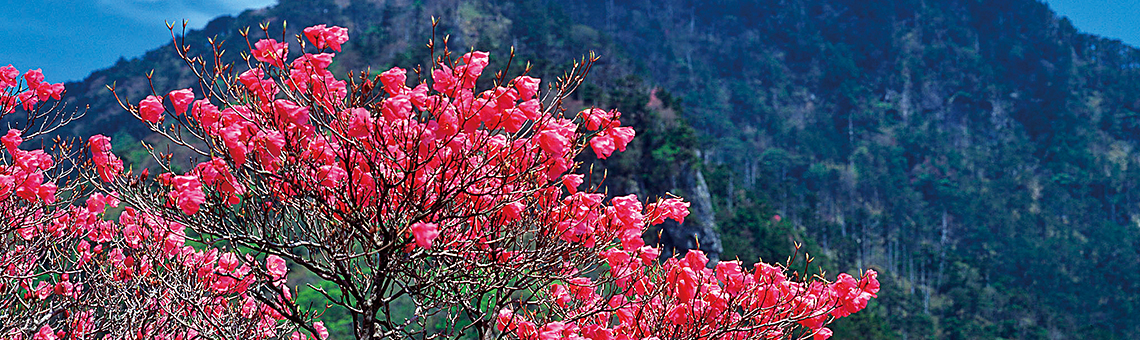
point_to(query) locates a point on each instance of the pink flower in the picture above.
(553, 331)
(12, 140)
(207, 115)
(603, 145)
(527, 86)
(106, 163)
(596, 119)
(46, 192)
(673, 208)
(571, 182)
(678, 314)
(289, 112)
(425, 233)
(97, 202)
(512, 211)
(7, 103)
(8, 76)
(474, 63)
(419, 96)
(360, 122)
(263, 89)
(822, 334)
(649, 254)
(151, 110)
(696, 259)
(227, 262)
(556, 136)
(396, 108)
(181, 99)
(235, 138)
(322, 332)
(331, 175)
(582, 289)
(29, 99)
(52, 91)
(270, 51)
(628, 211)
(505, 319)
(45, 333)
(622, 136)
(870, 282)
(276, 266)
(188, 193)
(444, 80)
(331, 37)
(394, 80)
(34, 78)
(216, 174)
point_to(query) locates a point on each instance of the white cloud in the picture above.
(241, 5)
(158, 12)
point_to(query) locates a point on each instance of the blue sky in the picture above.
(70, 38)
(1117, 19)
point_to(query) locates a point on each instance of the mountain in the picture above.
(982, 155)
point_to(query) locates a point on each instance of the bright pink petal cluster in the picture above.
(9, 76)
(331, 37)
(37, 89)
(107, 164)
(425, 233)
(151, 109)
(181, 99)
(270, 51)
(126, 258)
(25, 176)
(610, 134)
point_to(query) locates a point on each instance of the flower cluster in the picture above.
(25, 176)
(37, 89)
(176, 290)
(270, 132)
(106, 163)
(682, 297)
(331, 37)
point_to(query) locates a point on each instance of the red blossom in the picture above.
(425, 233)
(270, 51)
(8, 76)
(331, 37)
(151, 110)
(181, 99)
(34, 78)
(394, 80)
(12, 140)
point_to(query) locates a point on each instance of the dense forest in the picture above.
(980, 154)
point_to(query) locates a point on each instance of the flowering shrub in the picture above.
(466, 204)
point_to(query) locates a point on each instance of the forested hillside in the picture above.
(982, 155)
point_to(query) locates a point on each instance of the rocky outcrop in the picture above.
(699, 230)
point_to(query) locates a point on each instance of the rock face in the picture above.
(699, 230)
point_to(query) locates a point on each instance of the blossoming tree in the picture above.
(466, 204)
